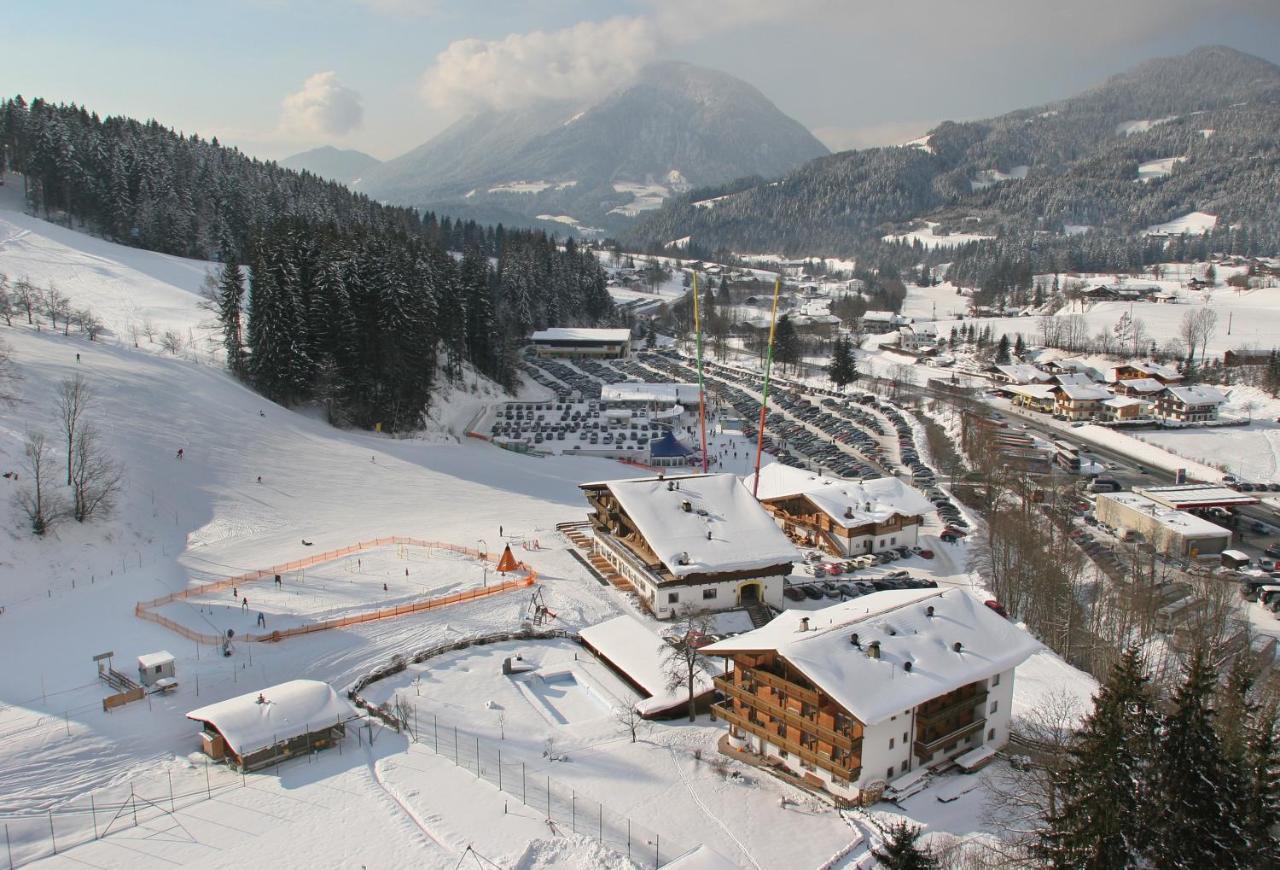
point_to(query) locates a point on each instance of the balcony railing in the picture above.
(610, 543)
(790, 689)
(923, 747)
(811, 726)
(807, 755)
(964, 703)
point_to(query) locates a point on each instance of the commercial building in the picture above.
(1172, 532)
(574, 343)
(850, 697)
(690, 542)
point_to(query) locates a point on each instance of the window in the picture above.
(708, 594)
(995, 681)
(904, 738)
(893, 541)
(991, 734)
(903, 769)
(889, 775)
(994, 706)
(673, 597)
(890, 742)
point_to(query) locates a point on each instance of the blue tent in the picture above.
(668, 447)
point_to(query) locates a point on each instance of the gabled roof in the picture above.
(260, 719)
(669, 447)
(850, 503)
(1083, 393)
(1021, 373)
(874, 689)
(1196, 395)
(636, 649)
(1031, 391)
(635, 391)
(725, 529)
(1143, 385)
(1124, 402)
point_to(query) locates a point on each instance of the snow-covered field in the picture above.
(1157, 168)
(1192, 223)
(930, 238)
(71, 596)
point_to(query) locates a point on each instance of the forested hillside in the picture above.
(345, 301)
(1199, 132)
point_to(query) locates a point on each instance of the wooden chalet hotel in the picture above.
(854, 696)
(690, 542)
(844, 517)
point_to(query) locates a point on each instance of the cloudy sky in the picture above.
(278, 76)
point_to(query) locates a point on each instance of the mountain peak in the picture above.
(345, 165)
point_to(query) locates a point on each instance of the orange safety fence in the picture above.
(143, 608)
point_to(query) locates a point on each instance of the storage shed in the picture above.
(261, 728)
(154, 667)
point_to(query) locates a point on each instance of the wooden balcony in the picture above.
(952, 707)
(924, 748)
(810, 726)
(792, 690)
(727, 714)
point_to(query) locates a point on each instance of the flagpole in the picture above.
(764, 400)
(702, 396)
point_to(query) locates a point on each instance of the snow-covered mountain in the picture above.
(675, 127)
(346, 165)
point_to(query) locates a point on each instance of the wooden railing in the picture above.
(923, 747)
(790, 689)
(835, 738)
(728, 715)
(962, 703)
(144, 609)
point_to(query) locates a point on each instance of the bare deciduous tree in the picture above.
(6, 300)
(27, 298)
(74, 396)
(95, 479)
(682, 661)
(8, 376)
(630, 720)
(38, 500)
(171, 342)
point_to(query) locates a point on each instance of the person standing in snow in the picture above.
(262, 619)
(244, 603)
(179, 454)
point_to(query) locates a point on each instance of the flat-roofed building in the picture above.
(1169, 531)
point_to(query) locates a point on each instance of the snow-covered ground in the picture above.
(1157, 168)
(181, 522)
(1192, 223)
(930, 238)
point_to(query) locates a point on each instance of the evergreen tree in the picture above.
(900, 850)
(229, 303)
(786, 344)
(1193, 794)
(1002, 350)
(1100, 817)
(1019, 347)
(843, 368)
(651, 335)
(1260, 798)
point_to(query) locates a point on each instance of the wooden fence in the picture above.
(144, 609)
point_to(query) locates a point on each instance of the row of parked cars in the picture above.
(855, 588)
(1246, 486)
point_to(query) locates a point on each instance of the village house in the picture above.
(1138, 388)
(1075, 402)
(844, 517)
(1193, 404)
(853, 696)
(1143, 370)
(918, 337)
(1034, 397)
(1017, 373)
(1124, 409)
(690, 542)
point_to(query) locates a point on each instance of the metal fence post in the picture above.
(524, 787)
(657, 850)
(499, 768)
(435, 730)
(548, 797)
(7, 845)
(94, 810)
(573, 810)
(171, 805)
(628, 838)
(52, 837)
(477, 758)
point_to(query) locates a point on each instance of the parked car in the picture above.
(793, 593)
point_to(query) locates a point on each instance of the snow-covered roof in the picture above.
(1083, 393)
(637, 650)
(1032, 391)
(1143, 385)
(1152, 368)
(1021, 373)
(1179, 522)
(564, 333)
(725, 529)
(1196, 495)
(634, 391)
(879, 316)
(155, 659)
(850, 503)
(1073, 379)
(1124, 402)
(257, 720)
(1197, 395)
(873, 689)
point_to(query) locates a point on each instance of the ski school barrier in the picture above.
(144, 609)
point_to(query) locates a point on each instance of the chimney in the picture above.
(957, 646)
(928, 611)
(848, 513)
(686, 506)
(804, 623)
(873, 649)
(853, 639)
(906, 666)
(671, 485)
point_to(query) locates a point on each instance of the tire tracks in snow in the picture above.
(675, 762)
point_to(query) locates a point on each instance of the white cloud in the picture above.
(585, 60)
(323, 107)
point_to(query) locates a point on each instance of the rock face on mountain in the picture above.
(1194, 133)
(674, 127)
(336, 164)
